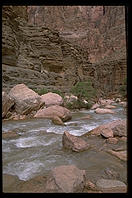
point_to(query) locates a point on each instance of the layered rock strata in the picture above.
(36, 54)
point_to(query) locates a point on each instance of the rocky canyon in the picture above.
(58, 46)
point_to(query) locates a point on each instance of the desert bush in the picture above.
(84, 90)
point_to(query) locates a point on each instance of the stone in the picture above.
(105, 101)
(51, 99)
(87, 117)
(26, 100)
(120, 129)
(122, 155)
(110, 107)
(95, 106)
(66, 179)
(74, 143)
(112, 140)
(56, 120)
(10, 134)
(113, 125)
(7, 103)
(107, 133)
(110, 185)
(123, 139)
(63, 113)
(90, 185)
(104, 111)
(124, 104)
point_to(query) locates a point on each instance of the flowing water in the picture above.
(38, 149)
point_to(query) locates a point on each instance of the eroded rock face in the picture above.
(54, 110)
(74, 143)
(66, 179)
(39, 56)
(26, 100)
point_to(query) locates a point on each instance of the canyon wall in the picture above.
(57, 46)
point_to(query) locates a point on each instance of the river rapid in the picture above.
(38, 148)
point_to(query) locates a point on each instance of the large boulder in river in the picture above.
(7, 103)
(66, 179)
(103, 111)
(51, 99)
(119, 128)
(52, 111)
(74, 143)
(105, 101)
(26, 100)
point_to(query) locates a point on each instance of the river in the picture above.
(39, 147)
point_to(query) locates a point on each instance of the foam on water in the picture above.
(32, 142)
(24, 170)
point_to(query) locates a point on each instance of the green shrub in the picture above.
(41, 91)
(78, 104)
(58, 92)
(84, 90)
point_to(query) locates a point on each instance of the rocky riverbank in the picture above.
(70, 178)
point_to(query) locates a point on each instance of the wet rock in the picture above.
(26, 100)
(95, 106)
(113, 125)
(120, 129)
(56, 120)
(110, 107)
(112, 140)
(107, 133)
(90, 185)
(54, 110)
(103, 111)
(86, 117)
(51, 99)
(111, 173)
(119, 154)
(66, 179)
(110, 185)
(74, 143)
(7, 103)
(10, 134)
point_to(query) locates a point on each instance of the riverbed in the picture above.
(38, 148)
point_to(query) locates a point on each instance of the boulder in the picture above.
(103, 111)
(119, 154)
(7, 103)
(74, 143)
(51, 99)
(66, 179)
(124, 104)
(95, 106)
(107, 133)
(112, 140)
(105, 102)
(110, 185)
(117, 126)
(26, 100)
(110, 107)
(63, 113)
(56, 120)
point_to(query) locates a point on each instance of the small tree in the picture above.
(84, 90)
